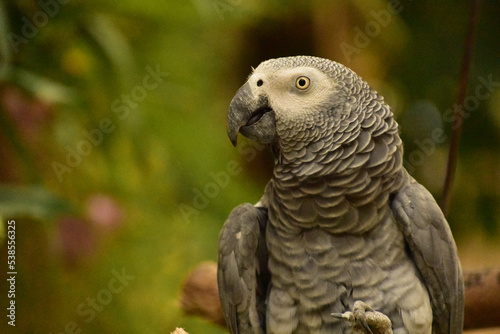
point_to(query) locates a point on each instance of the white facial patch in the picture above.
(285, 94)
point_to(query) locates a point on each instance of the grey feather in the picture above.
(433, 249)
(242, 272)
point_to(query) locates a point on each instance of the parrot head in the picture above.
(286, 98)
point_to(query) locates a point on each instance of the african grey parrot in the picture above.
(340, 221)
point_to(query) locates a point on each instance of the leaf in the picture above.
(113, 44)
(36, 202)
(46, 89)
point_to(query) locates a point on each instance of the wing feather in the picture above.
(434, 251)
(242, 272)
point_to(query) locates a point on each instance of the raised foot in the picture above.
(366, 320)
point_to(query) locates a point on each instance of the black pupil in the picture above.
(302, 82)
(260, 83)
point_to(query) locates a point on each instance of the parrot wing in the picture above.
(433, 249)
(242, 272)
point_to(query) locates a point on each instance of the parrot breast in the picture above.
(327, 251)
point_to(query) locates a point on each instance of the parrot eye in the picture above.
(302, 82)
(260, 83)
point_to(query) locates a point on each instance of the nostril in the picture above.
(260, 82)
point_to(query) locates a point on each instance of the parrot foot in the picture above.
(366, 320)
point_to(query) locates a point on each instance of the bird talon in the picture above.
(362, 321)
(365, 318)
(348, 316)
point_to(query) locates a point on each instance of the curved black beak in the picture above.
(250, 115)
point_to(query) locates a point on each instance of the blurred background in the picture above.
(114, 160)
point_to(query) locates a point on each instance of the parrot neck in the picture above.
(340, 146)
(362, 165)
(334, 200)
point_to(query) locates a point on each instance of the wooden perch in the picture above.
(482, 298)
(200, 296)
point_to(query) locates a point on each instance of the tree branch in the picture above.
(458, 118)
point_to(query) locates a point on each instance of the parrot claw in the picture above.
(349, 316)
(365, 319)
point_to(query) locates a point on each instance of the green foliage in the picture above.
(113, 124)
(34, 202)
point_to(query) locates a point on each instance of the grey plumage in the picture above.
(341, 220)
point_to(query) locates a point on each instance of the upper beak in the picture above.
(245, 110)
